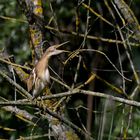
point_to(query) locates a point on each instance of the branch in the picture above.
(118, 99)
(73, 92)
(16, 103)
(108, 40)
(63, 120)
(14, 64)
(22, 114)
(98, 94)
(129, 17)
(27, 94)
(26, 117)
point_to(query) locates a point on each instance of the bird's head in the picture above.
(53, 50)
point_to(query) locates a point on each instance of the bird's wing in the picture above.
(30, 83)
(31, 80)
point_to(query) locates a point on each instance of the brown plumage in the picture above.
(40, 76)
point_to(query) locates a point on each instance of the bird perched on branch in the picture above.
(40, 76)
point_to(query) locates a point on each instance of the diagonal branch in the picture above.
(16, 85)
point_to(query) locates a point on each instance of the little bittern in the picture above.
(40, 76)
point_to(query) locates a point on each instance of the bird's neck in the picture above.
(42, 67)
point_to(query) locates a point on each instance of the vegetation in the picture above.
(94, 88)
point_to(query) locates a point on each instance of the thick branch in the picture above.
(77, 91)
(25, 116)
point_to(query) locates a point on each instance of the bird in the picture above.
(39, 77)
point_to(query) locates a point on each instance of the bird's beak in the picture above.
(57, 46)
(61, 51)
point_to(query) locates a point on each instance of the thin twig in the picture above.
(13, 64)
(93, 50)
